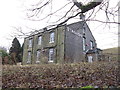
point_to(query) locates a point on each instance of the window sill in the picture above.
(37, 62)
(28, 62)
(50, 61)
(51, 42)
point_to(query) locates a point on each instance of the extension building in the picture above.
(62, 44)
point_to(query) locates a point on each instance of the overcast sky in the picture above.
(13, 14)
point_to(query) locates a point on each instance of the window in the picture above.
(52, 37)
(51, 55)
(29, 57)
(68, 28)
(30, 43)
(38, 56)
(39, 40)
(84, 41)
(91, 44)
(84, 30)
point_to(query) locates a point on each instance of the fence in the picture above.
(0, 70)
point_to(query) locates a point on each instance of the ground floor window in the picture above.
(51, 55)
(29, 57)
(38, 56)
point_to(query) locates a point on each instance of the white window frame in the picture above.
(39, 40)
(84, 45)
(51, 55)
(38, 56)
(68, 29)
(29, 57)
(91, 44)
(84, 29)
(52, 37)
(30, 43)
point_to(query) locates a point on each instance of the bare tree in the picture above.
(47, 10)
(89, 7)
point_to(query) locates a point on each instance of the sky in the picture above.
(13, 14)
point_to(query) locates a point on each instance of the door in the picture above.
(90, 59)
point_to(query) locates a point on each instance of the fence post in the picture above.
(0, 70)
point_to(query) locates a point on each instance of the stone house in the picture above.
(61, 44)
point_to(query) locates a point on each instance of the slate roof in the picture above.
(93, 51)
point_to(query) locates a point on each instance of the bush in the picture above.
(4, 55)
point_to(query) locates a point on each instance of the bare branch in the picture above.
(103, 21)
(65, 14)
(19, 33)
(49, 15)
(41, 6)
(87, 7)
(69, 18)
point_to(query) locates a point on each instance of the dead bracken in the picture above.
(100, 74)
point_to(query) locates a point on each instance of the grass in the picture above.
(111, 50)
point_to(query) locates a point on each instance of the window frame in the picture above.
(84, 29)
(91, 44)
(29, 57)
(51, 55)
(52, 37)
(84, 43)
(39, 40)
(30, 43)
(38, 54)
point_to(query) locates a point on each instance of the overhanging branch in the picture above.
(87, 7)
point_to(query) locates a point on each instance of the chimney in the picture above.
(45, 29)
(82, 16)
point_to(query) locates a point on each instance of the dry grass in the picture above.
(77, 75)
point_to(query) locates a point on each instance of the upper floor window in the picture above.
(39, 40)
(51, 55)
(30, 43)
(83, 29)
(38, 56)
(68, 29)
(52, 37)
(84, 45)
(29, 57)
(91, 44)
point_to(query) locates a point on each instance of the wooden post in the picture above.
(0, 70)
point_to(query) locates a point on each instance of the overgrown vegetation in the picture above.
(4, 53)
(101, 74)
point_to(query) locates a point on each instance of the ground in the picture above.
(96, 74)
